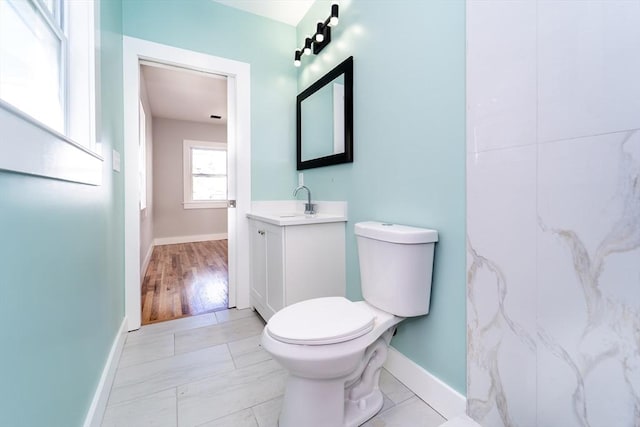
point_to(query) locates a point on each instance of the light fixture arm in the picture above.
(320, 38)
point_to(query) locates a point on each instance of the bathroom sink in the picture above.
(295, 218)
(291, 215)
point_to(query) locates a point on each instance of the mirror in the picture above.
(325, 119)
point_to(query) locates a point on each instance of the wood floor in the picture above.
(184, 280)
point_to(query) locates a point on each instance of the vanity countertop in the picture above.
(295, 218)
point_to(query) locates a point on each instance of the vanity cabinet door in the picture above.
(275, 267)
(267, 268)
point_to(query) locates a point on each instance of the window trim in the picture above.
(188, 202)
(30, 147)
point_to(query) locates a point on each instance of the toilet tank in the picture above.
(396, 264)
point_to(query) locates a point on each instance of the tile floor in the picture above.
(209, 370)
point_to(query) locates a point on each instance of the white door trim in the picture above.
(135, 50)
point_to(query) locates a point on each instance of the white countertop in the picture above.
(295, 218)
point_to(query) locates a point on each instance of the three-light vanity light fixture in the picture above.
(320, 39)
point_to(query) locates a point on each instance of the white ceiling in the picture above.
(287, 11)
(185, 95)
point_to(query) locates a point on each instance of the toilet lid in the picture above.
(320, 321)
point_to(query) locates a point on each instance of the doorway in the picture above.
(183, 199)
(239, 163)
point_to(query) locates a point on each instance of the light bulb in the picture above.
(320, 33)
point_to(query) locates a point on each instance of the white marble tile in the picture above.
(244, 418)
(267, 413)
(234, 314)
(222, 395)
(588, 78)
(588, 305)
(195, 339)
(138, 380)
(413, 412)
(146, 349)
(154, 410)
(501, 87)
(501, 259)
(173, 326)
(392, 388)
(248, 351)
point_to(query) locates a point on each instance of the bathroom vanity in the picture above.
(294, 258)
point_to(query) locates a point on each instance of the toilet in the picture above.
(333, 348)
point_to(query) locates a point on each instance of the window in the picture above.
(205, 174)
(32, 44)
(47, 89)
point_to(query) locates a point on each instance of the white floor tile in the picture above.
(135, 381)
(222, 333)
(267, 413)
(201, 386)
(146, 349)
(248, 351)
(173, 326)
(393, 389)
(222, 395)
(154, 410)
(242, 418)
(234, 314)
(413, 412)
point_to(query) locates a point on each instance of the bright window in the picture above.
(32, 47)
(205, 174)
(47, 65)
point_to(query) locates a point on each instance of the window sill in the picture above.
(218, 204)
(29, 147)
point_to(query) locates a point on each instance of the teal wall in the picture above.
(61, 274)
(409, 149)
(209, 27)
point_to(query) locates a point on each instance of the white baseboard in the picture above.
(188, 239)
(146, 261)
(99, 402)
(445, 400)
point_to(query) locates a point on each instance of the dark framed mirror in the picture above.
(325, 119)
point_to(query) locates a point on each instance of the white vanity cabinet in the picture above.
(292, 263)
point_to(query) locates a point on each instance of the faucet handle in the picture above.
(310, 208)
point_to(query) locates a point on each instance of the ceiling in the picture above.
(287, 11)
(183, 94)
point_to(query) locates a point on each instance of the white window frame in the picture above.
(27, 145)
(189, 203)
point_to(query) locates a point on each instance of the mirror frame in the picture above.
(346, 68)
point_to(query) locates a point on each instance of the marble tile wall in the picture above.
(553, 213)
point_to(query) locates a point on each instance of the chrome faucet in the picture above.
(309, 208)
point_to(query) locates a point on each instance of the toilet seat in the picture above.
(320, 321)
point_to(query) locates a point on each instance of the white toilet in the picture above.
(334, 348)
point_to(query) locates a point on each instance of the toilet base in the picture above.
(357, 413)
(339, 402)
(328, 408)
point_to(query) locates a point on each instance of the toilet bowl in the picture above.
(334, 348)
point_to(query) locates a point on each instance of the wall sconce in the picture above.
(320, 39)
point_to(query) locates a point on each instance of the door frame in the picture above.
(135, 50)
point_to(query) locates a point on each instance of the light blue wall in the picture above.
(209, 27)
(409, 149)
(61, 274)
